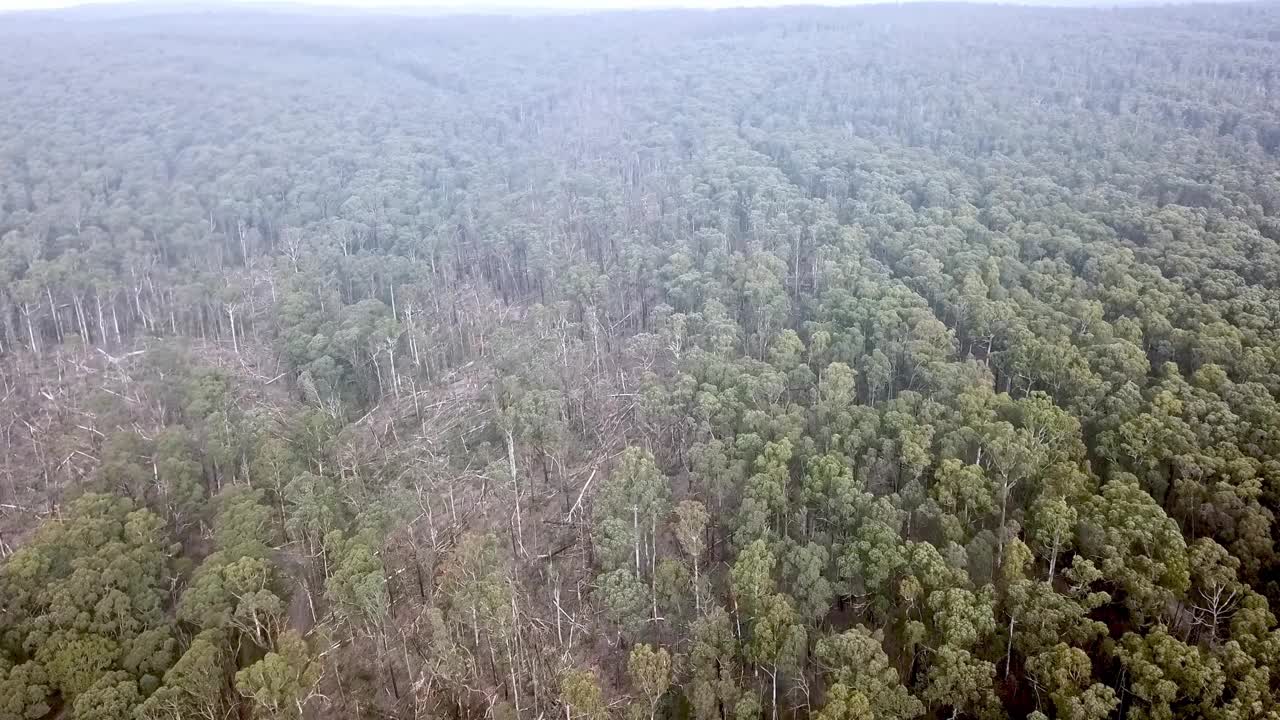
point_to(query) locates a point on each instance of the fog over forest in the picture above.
(412, 7)
(911, 361)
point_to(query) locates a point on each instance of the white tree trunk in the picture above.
(235, 342)
(515, 486)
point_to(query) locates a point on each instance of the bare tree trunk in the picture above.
(31, 329)
(1053, 554)
(653, 568)
(391, 363)
(1008, 651)
(697, 588)
(53, 309)
(773, 677)
(413, 339)
(231, 316)
(78, 303)
(1004, 508)
(511, 670)
(102, 322)
(515, 486)
(635, 526)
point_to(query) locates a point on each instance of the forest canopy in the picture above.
(914, 361)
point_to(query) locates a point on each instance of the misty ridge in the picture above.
(804, 363)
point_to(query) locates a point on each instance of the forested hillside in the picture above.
(894, 362)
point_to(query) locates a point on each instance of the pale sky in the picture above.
(457, 4)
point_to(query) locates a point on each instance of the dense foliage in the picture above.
(898, 362)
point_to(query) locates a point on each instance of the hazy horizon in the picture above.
(454, 4)
(535, 5)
